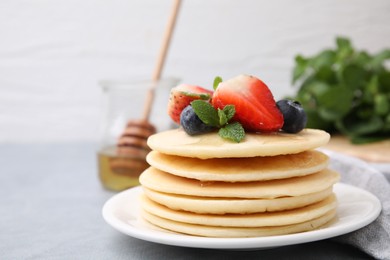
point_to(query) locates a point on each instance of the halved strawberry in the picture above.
(255, 106)
(182, 95)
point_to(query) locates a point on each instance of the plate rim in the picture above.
(183, 240)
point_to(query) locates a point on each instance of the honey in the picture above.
(118, 172)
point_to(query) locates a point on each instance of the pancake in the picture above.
(207, 205)
(240, 169)
(164, 182)
(211, 145)
(225, 232)
(266, 219)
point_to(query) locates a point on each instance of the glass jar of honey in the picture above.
(124, 128)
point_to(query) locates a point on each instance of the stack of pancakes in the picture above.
(268, 184)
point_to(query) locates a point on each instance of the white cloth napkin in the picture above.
(373, 239)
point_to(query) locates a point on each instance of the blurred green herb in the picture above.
(346, 91)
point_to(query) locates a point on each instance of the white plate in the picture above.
(357, 208)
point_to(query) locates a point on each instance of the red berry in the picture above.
(255, 106)
(182, 95)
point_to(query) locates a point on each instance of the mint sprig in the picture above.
(233, 131)
(219, 118)
(346, 90)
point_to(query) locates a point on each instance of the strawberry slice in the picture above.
(182, 95)
(255, 106)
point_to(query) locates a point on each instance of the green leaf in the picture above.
(363, 58)
(324, 59)
(234, 132)
(206, 112)
(379, 58)
(343, 43)
(381, 104)
(384, 81)
(335, 103)
(300, 68)
(310, 92)
(229, 111)
(222, 117)
(344, 48)
(314, 88)
(216, 82)
(354, 76)
(373, 85)
(326, 74)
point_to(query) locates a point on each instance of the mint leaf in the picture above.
(217, 80)
(226, 114)
(222, 117)
(229, 111)
(206, 112)
(234, 132)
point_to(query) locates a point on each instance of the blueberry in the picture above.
(295, 118)
(191, 122)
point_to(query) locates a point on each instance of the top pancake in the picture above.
(211, 145)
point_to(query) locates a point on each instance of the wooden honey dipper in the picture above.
(132, 143)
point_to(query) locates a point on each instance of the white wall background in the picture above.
(53, 53)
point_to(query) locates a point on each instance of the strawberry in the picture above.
(255, 106)
(182, 95)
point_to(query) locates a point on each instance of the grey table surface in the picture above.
(50, 208)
